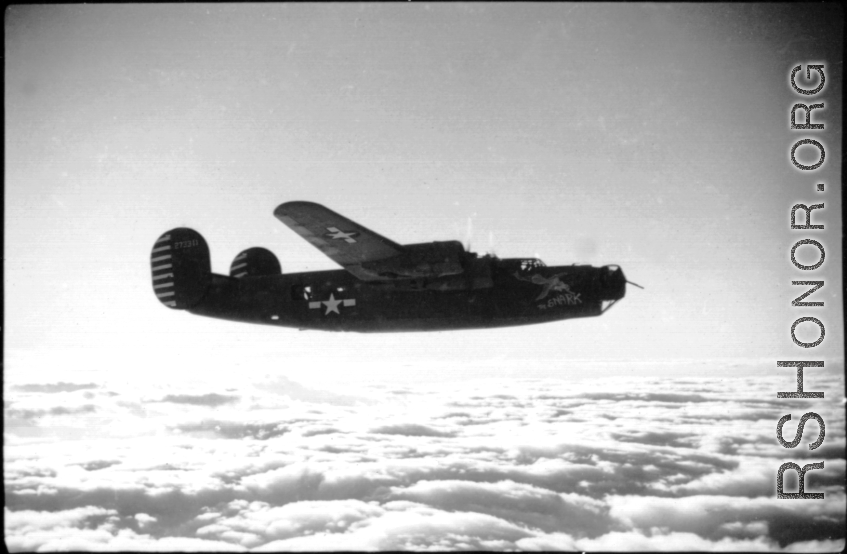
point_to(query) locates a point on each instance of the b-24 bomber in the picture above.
(383, 286)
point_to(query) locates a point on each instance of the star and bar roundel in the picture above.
(332, 304)
(337, 234)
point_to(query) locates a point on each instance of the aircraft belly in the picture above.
(382, 308)
(391, 310)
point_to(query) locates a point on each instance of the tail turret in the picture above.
(181, 266)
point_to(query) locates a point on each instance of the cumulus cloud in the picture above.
(55, 411)
(211, 399)
(646, 397)
(284, 386)
(94, 465)
(144, 520)
(528, 505)
(30, 520)
(235, 429)
(597, 465)
(410, 526)
(55, 387)
(256, 523)
(715, 516)
(410, 429)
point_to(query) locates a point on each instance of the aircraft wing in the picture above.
(343, 240)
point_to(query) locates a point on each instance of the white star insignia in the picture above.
(336, 233)
(331, 305)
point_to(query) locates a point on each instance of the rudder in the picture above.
(181, 268)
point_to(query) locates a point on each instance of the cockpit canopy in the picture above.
(524, 266)
(528, 264)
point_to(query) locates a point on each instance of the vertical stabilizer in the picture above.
(181, 266)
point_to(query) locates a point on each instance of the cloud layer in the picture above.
(606, 464)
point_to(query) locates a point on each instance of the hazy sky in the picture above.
(651, 136)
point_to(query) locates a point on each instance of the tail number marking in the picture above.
(186, 244)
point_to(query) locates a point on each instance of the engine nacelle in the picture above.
(182, 269)
(255, 261)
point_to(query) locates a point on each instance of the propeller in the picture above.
(636, 284)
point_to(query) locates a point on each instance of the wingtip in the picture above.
(283, 208)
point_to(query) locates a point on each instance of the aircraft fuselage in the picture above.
(500, 293)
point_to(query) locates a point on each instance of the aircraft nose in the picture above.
(612, 283)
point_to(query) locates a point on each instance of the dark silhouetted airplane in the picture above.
(383, 287)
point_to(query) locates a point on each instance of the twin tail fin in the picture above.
(181, 268)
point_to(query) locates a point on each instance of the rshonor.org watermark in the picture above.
(808, 154)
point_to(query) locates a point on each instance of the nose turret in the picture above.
(612, 283)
